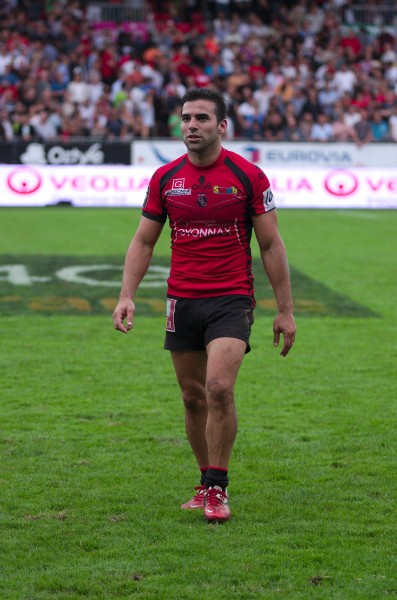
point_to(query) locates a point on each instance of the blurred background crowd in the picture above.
(302, 70)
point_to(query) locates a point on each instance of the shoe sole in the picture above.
(216, 519)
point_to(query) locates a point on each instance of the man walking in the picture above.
(213, 199)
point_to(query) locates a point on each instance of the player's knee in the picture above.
(219, 392)
(194, 399)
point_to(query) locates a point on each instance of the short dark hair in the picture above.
(207, 94)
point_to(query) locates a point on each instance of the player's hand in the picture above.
(124, 311)
(284, 323)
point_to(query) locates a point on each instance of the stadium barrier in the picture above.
(155, 152)
(121, 186)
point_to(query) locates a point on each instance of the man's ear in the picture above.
(222, 126)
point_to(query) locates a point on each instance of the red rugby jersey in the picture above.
(209, 211)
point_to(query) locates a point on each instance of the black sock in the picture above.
(217, 476)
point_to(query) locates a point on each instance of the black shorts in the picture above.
(194, 322)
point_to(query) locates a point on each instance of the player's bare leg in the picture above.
(207, 382)
(190, 369)
(225, 356)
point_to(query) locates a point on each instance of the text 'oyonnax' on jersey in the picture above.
(209, 211)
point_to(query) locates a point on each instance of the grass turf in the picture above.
(95, 462)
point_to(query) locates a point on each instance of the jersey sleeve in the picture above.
(153, 206)
(262, 196)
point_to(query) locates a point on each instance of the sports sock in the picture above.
(217, 476)
(203, 474)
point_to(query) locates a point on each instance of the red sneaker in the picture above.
(197, 501)
(216, 504)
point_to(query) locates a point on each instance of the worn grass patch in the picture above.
(90, 284)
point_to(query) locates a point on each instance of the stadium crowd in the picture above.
(299, 70)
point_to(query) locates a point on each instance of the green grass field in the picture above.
(94, 458)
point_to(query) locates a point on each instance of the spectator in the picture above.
(23, 130)
(98, 129)
(58, 84)
(44, 127)
(274, 127)
(363, 97)
(86, 111)
(351, 45)
(262, 97)
(174, 123)
(388, 55)
(352, 114)
(344, 80)
(78, 89)
(5, 59)
(248, 115)
(328, 98)
(322, 130)
(6, 131)
(237, 79)
(391, 74)
(291, 132)
(305, 126)
(114, 124)
(312, 104)
(96, 87)
(379, 127)
(298, 100)
(393, 124)
(342, 131)
(147, 115)
(274, 77)
(285, 91)
(362, 130)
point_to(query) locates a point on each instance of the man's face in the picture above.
(199, 126)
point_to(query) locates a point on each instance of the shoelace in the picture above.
(200, 492)
(214, 496)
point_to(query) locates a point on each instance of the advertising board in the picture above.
(278, 154)
(121, 186)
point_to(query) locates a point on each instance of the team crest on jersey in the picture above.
(268, 200)
(202, 200)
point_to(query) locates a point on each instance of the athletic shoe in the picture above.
(216, 504)
(197, 501)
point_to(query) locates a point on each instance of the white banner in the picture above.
(279, 154)
(125, 186)
(78, 185)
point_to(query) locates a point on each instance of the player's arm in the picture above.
(275, 263)
(137, 261)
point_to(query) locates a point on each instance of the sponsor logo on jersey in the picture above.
(178, 188)
(268, 200)
(201, 186)
(182, 192)
(203, 232)
(217, 189)
(178, 184)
